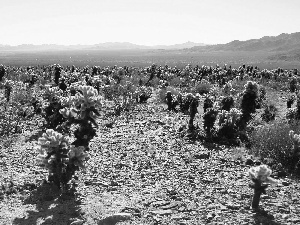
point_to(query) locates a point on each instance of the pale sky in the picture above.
(147, 22)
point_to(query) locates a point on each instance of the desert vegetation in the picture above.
(149, 145)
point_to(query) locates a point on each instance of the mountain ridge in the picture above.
(282, 42)
(99, 46)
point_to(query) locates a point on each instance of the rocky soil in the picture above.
(142, 170)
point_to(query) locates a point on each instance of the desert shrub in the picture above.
(238, 85)
(203, 87)
(269, 112)
(154, 82)
(11, 118)
(175, 81)
(272, 141)
(277, 86)
(21, 93)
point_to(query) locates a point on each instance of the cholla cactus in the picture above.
(83, 105)
(295, 138)
(251, 87)
(52, 141)
(193, 110)
(77, 155)
(8, 84)
(227, 102)
(227, 88)
(52, 93)
(82, 110)
(88, 98)
(214, 91)
(59, 157)
(234, 115)
(227, 123)
(295, 154)
(209, 118)
(261, 179)
(249, 101)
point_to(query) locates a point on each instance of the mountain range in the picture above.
(284, 47)
(282, 42)
(101, 46)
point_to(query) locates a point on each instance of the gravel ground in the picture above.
(142, 171)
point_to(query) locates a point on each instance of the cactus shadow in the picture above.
(51, 207)
(35, 136)
(262, 216)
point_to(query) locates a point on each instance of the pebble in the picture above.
(162, 212)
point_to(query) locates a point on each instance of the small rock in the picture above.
(116, 218)
(294, 220)
(172, 205)
(281, 174)
(257, 163)
(182, 222)
(217, 170)
(160, 203)
(48, 198)
(77, 222)
(284, 216)
(162, 212)
(114, 183)
(249, 162)
(202, 155)
(210, 216)
(285, 183)
(233, 206)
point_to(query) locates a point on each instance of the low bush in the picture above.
(269, 112)
(272, 141)
(203, 87)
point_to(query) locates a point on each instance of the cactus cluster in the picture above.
(58, 153)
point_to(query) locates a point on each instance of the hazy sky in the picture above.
(148, 22)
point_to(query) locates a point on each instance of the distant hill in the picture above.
(282, 42)
(185, 45)
(101, 46)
